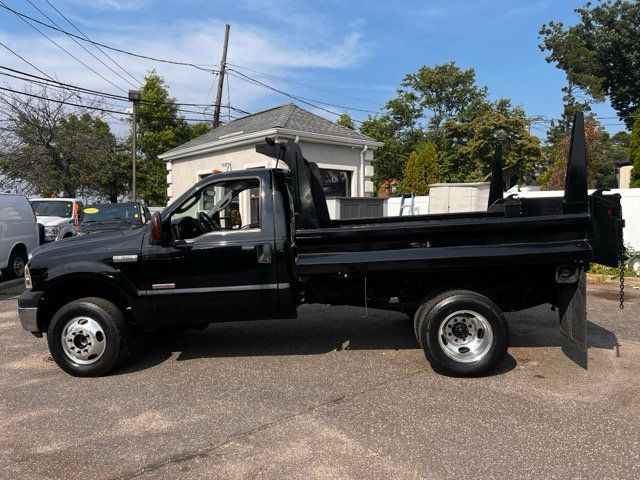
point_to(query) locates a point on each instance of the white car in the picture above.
(60, 217)
(18, 234)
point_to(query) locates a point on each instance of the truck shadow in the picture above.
(323, 329)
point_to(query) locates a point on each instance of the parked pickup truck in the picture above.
(255, 244)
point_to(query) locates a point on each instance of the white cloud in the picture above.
(120, 5)
(265, 49)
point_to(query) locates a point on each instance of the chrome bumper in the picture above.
(28, 310)
(29, 318)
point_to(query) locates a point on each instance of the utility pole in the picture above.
(135, 97)
(223, 64)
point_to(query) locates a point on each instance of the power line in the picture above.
(304, 84)
(114, 96)
(96, 46)
(246, 78)
(308, 101)
(201, 67)
(26, 61)
(88, 107)
(2, 4)
(82, 46)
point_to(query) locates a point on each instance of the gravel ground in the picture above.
(330, 395)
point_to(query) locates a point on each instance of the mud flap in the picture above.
(572, 300)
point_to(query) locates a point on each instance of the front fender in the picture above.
(90, 270)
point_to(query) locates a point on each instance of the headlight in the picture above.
(51, 233)
(27, 277)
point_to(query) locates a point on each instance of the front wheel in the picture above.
(88, 337)
(462, 332)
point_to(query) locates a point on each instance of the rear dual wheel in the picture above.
(461, 332)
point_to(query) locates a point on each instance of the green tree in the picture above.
(600, 53)
(443, 106)
(53, 149)
(602, 152)
(421, 170)
(634, 153)
(346, 121)
(475, 142)
(399, 141)
(160, 128)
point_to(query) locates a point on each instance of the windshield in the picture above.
(112, 212)
(52, 208)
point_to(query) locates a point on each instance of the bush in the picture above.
(421, 170)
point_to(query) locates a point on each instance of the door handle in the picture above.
(182, 245)
(263, 251)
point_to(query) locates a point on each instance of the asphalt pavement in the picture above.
(329, 395)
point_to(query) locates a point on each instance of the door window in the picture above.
(228, 206)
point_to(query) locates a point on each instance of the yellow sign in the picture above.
(91, 210)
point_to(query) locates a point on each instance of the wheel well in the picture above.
(73, 289)
(19, 247)
(67, 235)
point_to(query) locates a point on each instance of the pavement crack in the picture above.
(210, 450)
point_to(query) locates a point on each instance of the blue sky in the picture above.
(354, 52)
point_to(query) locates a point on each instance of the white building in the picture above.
(343, 155)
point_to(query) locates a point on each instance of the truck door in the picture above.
(218, 264)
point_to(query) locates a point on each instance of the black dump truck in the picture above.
(255, 244)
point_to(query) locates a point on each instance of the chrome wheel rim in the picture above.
(83, 340)
(465, 336)
(18, 266)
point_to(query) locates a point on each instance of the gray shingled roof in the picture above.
(288, 116)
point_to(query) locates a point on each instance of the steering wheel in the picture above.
(206, 224)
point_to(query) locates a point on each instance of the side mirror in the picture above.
(156, 229)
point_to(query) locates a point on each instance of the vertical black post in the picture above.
(496, 190)
(575, 187)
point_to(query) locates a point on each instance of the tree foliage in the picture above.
(602, 153)
(634, 153)
(55, 150)
(601, 53)
(444, 106)
(346, 121)
(421, 170)
(160, 128)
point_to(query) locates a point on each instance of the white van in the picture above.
(18, 234)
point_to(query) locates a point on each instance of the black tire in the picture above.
(433, 314)
(15, 268)
(113, 324)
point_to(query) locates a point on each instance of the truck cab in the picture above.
(60, 217)
(220, 252)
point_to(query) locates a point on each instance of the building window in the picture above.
(336, 183)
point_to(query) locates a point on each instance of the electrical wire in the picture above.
(303, 84)
(83, 47)
(89, 107)
(114, 96)
(201, 67)
(2, 4)
(308, 101)
(25, 60)
(96, 46)
(241, 76)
